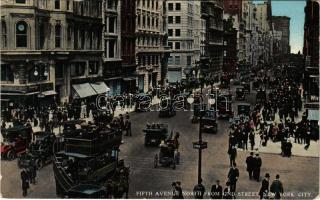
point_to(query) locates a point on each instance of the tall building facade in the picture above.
(150, 37)
(128, 41)
(282, 23)
(49, 49)
(311, 49)
(212, 13)
(183, 18)
(112, 68)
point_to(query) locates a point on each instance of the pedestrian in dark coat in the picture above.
(25, 182)
(33, 174)
(232, 155)
(179, 190)
(252, 139)
(264, 190)
(233, 177)
(199, 190)
(277, 187)
(227, 193)
(216, 191)
(256, 167)
(250, 163)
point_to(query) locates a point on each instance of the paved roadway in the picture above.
(298, 174)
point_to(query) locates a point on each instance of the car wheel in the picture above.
(11, 154)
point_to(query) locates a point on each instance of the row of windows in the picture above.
(148, 41)
(147, 22)
(153, 4)
(82, 38)
(177, 60)
(170, 6)
(177, 32)
(177, 21)
(148, 60)
(181, 45)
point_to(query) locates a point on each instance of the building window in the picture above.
(170, 6)
(112, 21)
(178, 6)
(177, 60)
(93, 67)
(42, 34)
(22, 34)
(110, 4)
(188, 60)
(178, 32)
(56, 4)
(177, 45)
(112, 49)
(20, 1)
(170, 60)
(78, 69)
(178, 19)
(170, 45)
(3, 33)
(170, 32)
(170, 19)
(68, 5)
(58, 36)
(6, 73)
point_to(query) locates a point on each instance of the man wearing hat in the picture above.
(256, 167)
(216, 191)
(250, 163)
(264, 190)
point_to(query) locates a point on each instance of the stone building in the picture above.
(184, 25)
(128, 41)
(282, 23)
(150, 42)
(311, 49)
(112, 70)
(212, 13)
(51, 50)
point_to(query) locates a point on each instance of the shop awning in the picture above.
(83, 90)
(313, 115)
(100, 87)
(49, 93)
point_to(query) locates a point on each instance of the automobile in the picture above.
(168, 155)
(240, 94)
(209, 122)
(224, 106)
(246, 87)
(197, 110)
(39, 151)
(261, 96)
(15, 141)
(244, 109)
(167, 108)
(143, 102)
(155, 133)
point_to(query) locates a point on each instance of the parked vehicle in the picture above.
(39, 151)
(209, 122)
(15, 141)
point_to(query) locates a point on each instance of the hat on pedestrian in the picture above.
(257, 154)
(267, 175)
(251, 153)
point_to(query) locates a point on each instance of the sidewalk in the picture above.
(297, 149)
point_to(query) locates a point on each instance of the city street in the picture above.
(298, 174)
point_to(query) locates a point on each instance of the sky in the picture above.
(295, 10)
